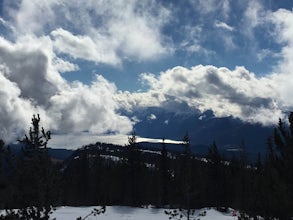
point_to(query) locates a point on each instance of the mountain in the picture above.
(56, 154)
(203, 128)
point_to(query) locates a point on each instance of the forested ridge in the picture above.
(105, 174)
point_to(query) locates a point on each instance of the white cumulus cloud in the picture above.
(237, 92)
(30, 83)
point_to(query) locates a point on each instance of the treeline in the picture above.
(135, 177)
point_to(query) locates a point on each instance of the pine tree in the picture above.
(37, 178)
(165, 179)
(214, 155)
(184, 177)
(84, 175)
(2, 175)
(134, 165)
(7, 171)
(187, 177)
(37, 139)
(279, 171)
(216, 190)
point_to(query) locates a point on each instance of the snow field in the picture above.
(130, 213)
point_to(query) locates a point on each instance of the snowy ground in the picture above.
(127, 213)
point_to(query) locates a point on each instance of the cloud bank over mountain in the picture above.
(227, 92)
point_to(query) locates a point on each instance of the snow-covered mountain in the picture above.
(203, 128)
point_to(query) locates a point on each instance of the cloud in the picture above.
(198, 36)
(30, 83)
(282, 19)
(223, 25)
(222, 7)
(63, 66)
(28, 68)
(97, 31)
(15, 112)
(226, 8)
(192, 36)
(254, 16)
(6, 25)
(228, 92)
(225, 34)
(32, 16)
(265, 53)
(283, 32)
(238, 93)
(84, 47)
(45, 33)
(152, 117)
(138, 32)
(88, 108)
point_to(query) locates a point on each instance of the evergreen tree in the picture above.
(7, 171)
(84, 176)
(279, 171)
(241, 177)
(3, 183)
(134, 170)
(164, 174)
(184, 177)
(283, 141)
(2, 144)
(214, 155)
(257, 196)
(37, 178)
(187, 176)
(216, 184)
(37, 139)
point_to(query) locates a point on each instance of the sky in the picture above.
(82, 65)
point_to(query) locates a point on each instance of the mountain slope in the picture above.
(203, 129)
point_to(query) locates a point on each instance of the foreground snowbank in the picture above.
(129, 213)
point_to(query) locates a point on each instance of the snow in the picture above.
(130, 213)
